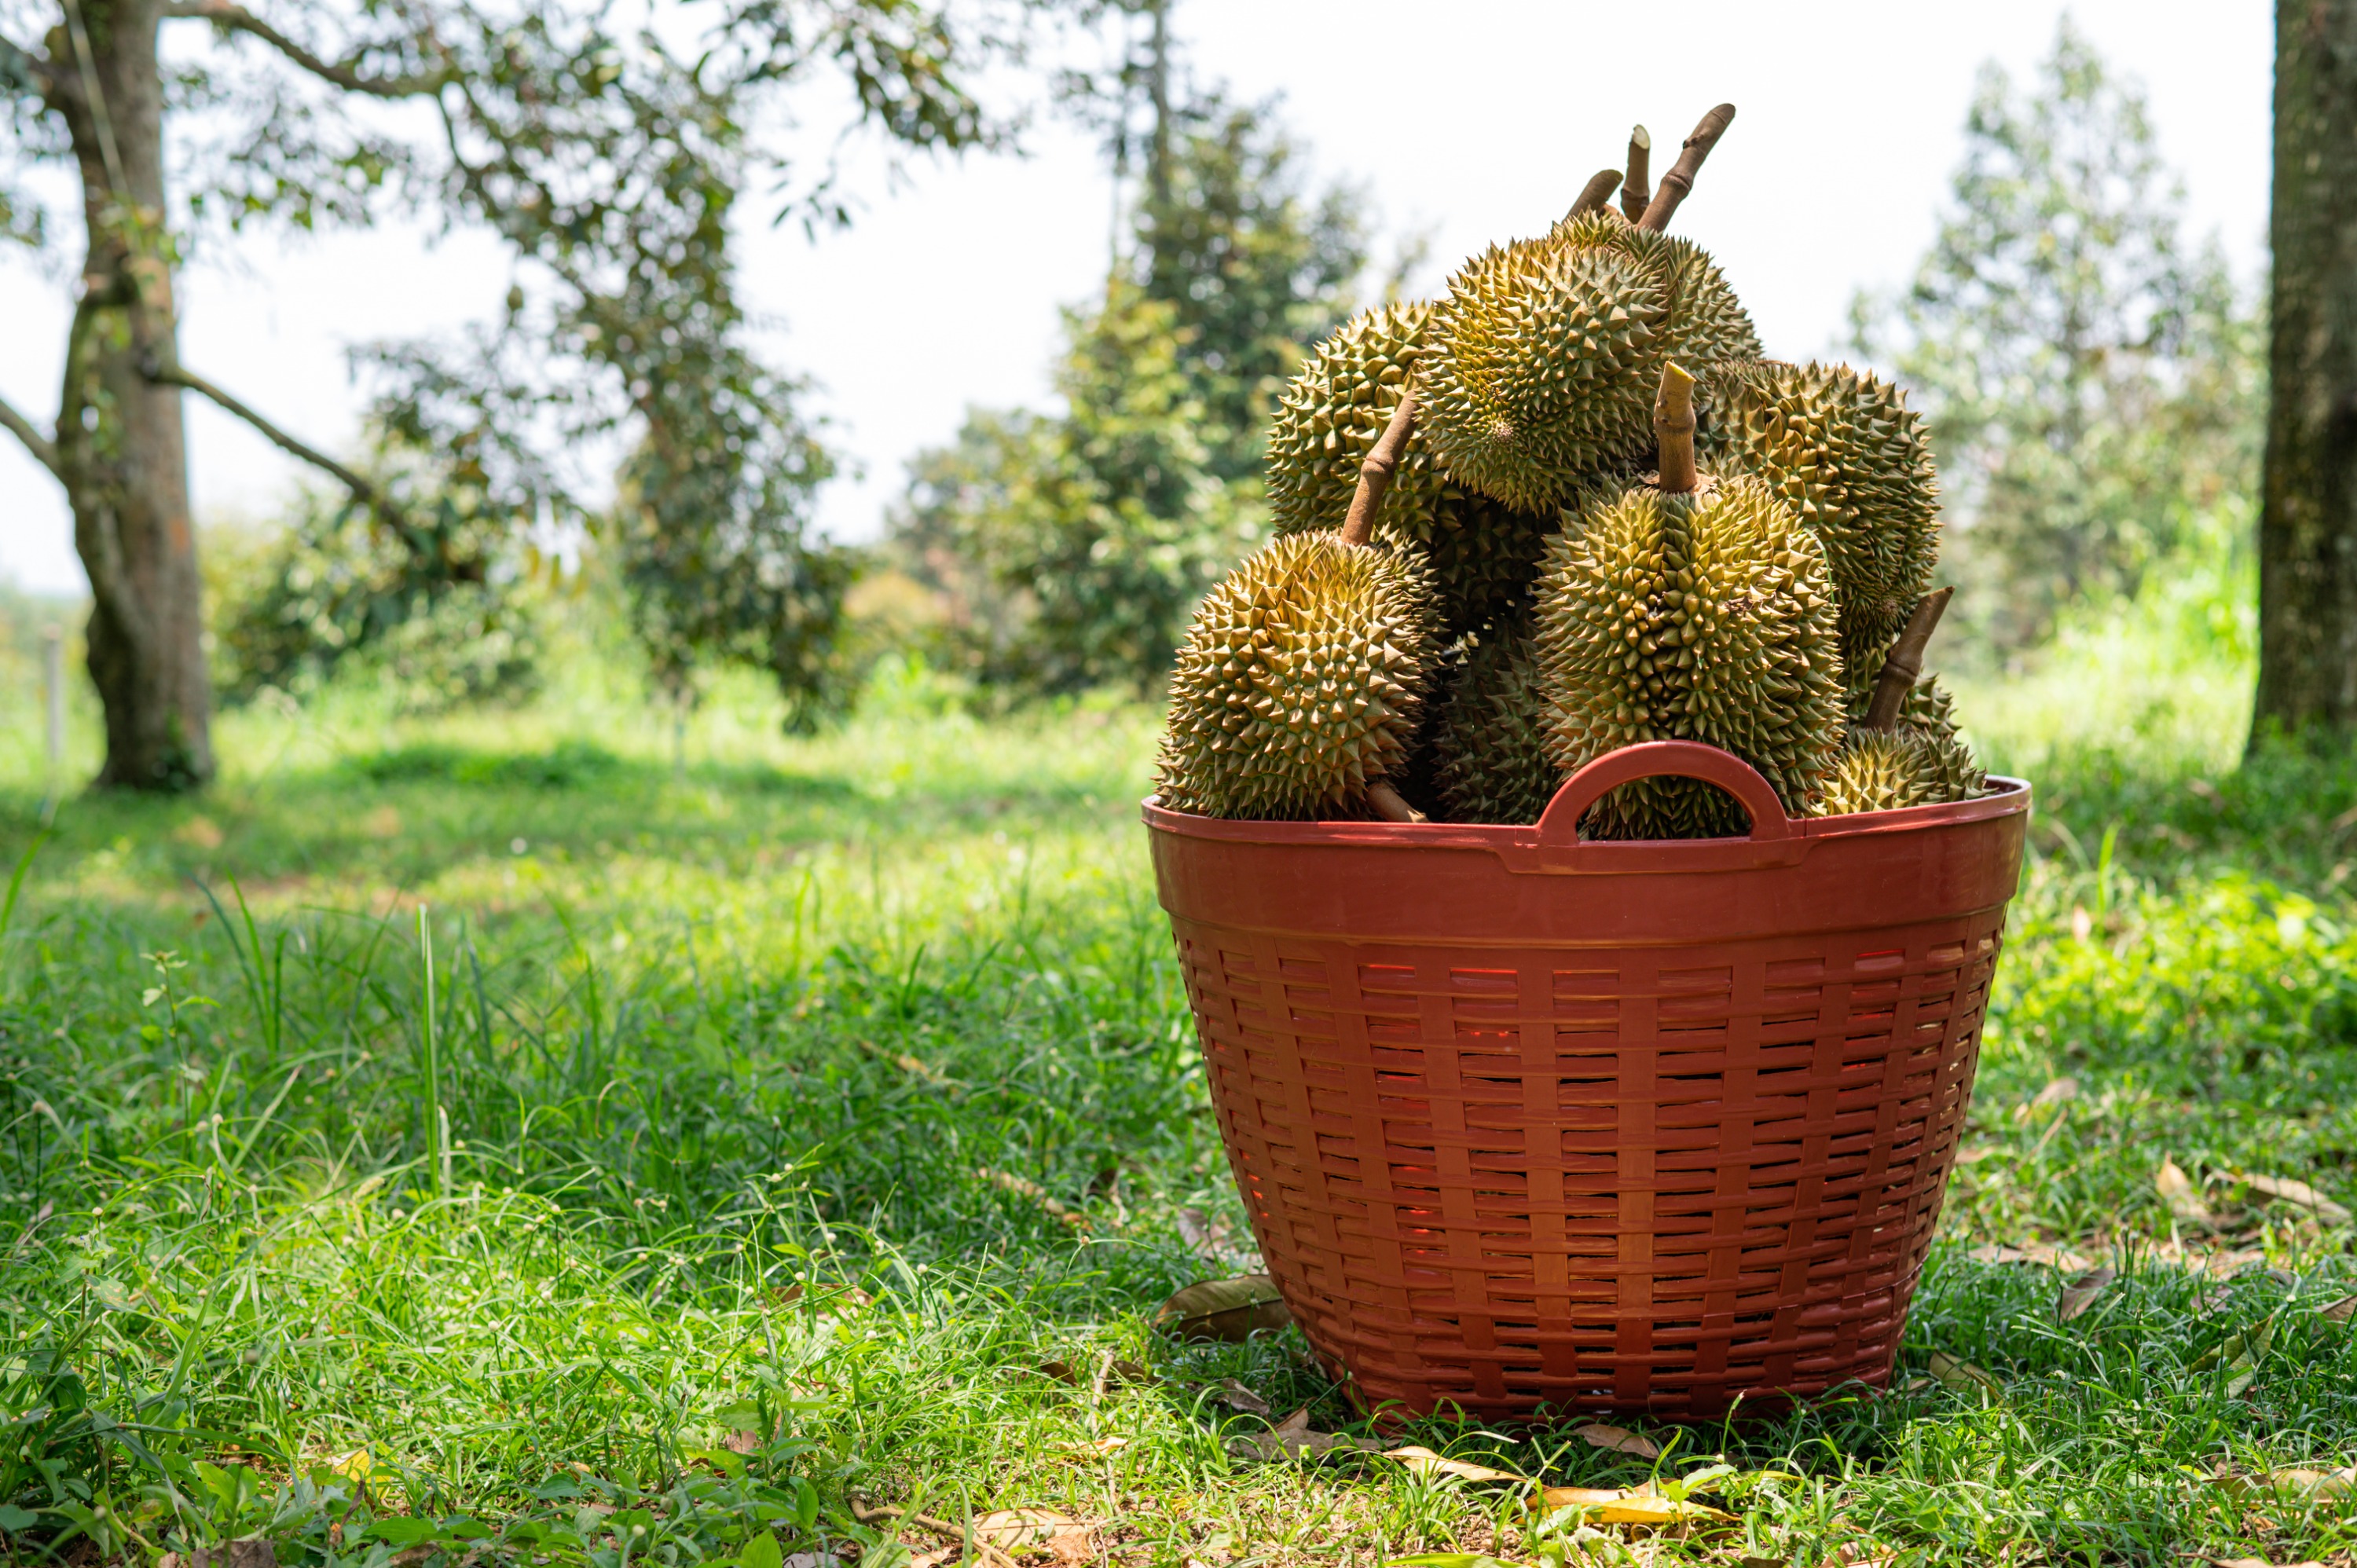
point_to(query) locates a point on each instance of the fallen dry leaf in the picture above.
(2258, 1562)
(1963, 1376)
(1424, 1462)
(1294, 1438)
(2057, 1092)
(1629, 1505)
(1101, 1446)
(2039, 1252)
(2339, 1311)
(933, 1559)
(2299, 1192)
(1022, 1187)
(1618, 1439)
(1066, 1538)
(2080, 1292)
(1217, 1240)
(821, 1560)
(2176, 1189)
(1230, 1310)
(1237, 1397)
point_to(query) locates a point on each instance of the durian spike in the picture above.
(1390, 805)
(1375, 473)
(1905, 663)
(1637, 190)
(1593, 194)
(1673, 430)
(1680, 180)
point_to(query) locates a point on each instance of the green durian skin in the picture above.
(1707, 617)
(1928, 712)
(1491, 762)
(1483, 554)
(1846, 453)
(1545, 355)
(1882, 770)
(1301, 681)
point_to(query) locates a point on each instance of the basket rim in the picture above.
(2006, 797)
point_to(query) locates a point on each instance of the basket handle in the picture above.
(1653, 759)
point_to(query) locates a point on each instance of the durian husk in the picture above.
(1703, 616)
(1301, 681)
(1927, 710)
(1883, 770)
(1483, 554)
(1846, 454)
(1489, 752)
(1543, 357)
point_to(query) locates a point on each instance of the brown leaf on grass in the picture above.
(1230, 1310)
(1424, 1462)
(2284, 1189)
(2339, 1311)
(2177, 1190)
(1217, 1240)
(1294, 1438)
(1021, 1186)
(1976, 1154)
(1013, 1530)
(2042, 1254)
(2258, 1562)
(933, 1559)
(1101, 1446)
(741, 1442)
(1618, 1440)
(1235, 1396)
(2080, 1292)
(1963, 1376)
(2057, 1092)
(1630, 1505)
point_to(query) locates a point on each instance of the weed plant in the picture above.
(536, 1137)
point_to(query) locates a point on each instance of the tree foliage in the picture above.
(1072, 548)
(2092, 383)
(613, 162)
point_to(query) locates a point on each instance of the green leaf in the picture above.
(15, 1520)
(761, 1552)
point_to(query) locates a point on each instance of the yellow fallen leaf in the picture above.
(1069, 1540)
(1618, 1440)
(1963, 1376)
(1424, 1462)
(355, 1465)
(2057, 1092)
(2176, 1189)
(2300, 1193)
(1629, 1505)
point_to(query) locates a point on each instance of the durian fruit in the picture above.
(1883, 770)
(1692, 607)
(1846, 453)
(1483, 554)
(1489, 752)
(1544, 354)
(1300, 684)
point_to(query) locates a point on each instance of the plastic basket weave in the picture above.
(1525, 1122)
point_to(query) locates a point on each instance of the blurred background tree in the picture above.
(2094, 387)
(610, 162)
(1069, 549)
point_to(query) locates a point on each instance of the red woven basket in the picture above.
(1529, 1123)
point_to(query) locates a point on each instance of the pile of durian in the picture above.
(1567, 507)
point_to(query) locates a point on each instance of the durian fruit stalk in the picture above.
(1690, 606)
(1903, 749)
(1300, 683)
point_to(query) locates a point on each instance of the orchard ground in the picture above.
(776, 1119)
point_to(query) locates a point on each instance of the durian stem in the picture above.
(1673, 430)
(1680, 180)
(1904, 664)
(1390, 805)
(1593, 194)
(1637, 190)
(1375, 473)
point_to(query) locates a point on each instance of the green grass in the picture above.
(711, 1192)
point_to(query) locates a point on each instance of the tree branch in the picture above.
(1680, 180)
(346, 74)
(174, 376)
(43, 449)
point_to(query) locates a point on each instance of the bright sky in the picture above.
(1479, 120)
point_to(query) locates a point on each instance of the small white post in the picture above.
(53, 682)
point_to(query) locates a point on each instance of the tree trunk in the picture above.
(2308, 519)
(120, 440)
